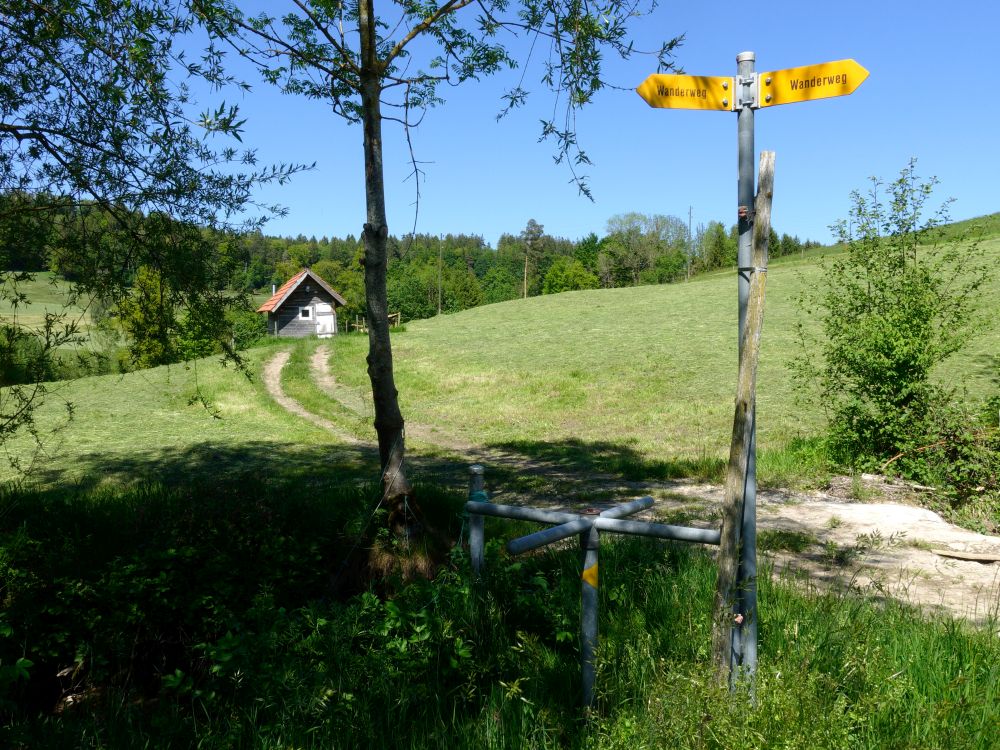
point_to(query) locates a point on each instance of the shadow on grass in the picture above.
(613, 459)
(522, 469)
(269, 463)
(208, 463)
(526, 469)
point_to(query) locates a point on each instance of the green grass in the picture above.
(298, 382)
(643, 376)
(46, 293)
(176, 424)
(152, 618)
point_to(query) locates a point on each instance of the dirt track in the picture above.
(887, 547)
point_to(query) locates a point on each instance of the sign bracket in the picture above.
(747, 86)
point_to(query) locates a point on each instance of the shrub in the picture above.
(249, 328)
(896, 304)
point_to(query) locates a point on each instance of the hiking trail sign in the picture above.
(744, 93)
(802, 84)
(809, 82)
(688, 92)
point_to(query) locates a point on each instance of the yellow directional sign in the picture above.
(687, 92)
(838, 78)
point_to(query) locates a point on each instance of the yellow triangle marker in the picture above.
(590, 575)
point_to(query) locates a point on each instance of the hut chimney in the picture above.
(274, 289)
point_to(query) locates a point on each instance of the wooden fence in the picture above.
(359, 324)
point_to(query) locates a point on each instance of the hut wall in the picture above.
(290, 322)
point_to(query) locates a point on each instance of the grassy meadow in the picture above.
(175, 424)
(635, 381)
(181, 567)
(648, 373)
(43, 294)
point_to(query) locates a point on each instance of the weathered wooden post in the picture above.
(736, 587)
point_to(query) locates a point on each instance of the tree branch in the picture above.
(449, 7)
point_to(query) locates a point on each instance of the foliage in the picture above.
(716, 247)
(23, 357)
(204, 616)
(499, 284)
(25, 234)
(566, 275)
(894, 307)
(148, 317)
(642, 248)
(104, 160)
(248, 326)
(414, 293)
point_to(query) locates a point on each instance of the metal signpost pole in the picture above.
(742, 94)
(476, 530)
(745, 634)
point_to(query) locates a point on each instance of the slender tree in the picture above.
(531, 238)
(372, 64)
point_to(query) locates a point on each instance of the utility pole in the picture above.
(687, 275)
(440, 245)
(527, 250)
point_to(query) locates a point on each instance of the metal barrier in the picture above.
(588, 525)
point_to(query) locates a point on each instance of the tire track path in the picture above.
(272, 383)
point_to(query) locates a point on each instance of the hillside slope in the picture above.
(652, 368)
(642, 375)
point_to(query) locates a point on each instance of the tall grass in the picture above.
(157, 617)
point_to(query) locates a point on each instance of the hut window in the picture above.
(305, 313)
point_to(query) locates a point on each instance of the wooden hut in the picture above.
(305, 305)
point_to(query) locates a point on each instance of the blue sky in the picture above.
(930, 95)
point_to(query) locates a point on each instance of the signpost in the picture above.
(743, 94)
(688, 92)
(802, 84)
(838, 78)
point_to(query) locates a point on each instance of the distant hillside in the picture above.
(646, 372)
(46, 293)
(653, 367)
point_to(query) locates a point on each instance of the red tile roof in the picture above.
(291, 285)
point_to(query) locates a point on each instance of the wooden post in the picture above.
(724, 616)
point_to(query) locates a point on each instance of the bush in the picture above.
(897, 304)
(249, 328)
(24, 357)
(566, 274)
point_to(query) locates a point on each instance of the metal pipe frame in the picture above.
(565, 525)
(548, 536)
(660, 531)
(520, 514)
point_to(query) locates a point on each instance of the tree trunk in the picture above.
(724, 616)
(525, 273)
(388, 419)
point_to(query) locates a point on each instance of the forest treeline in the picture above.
(427, 273)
